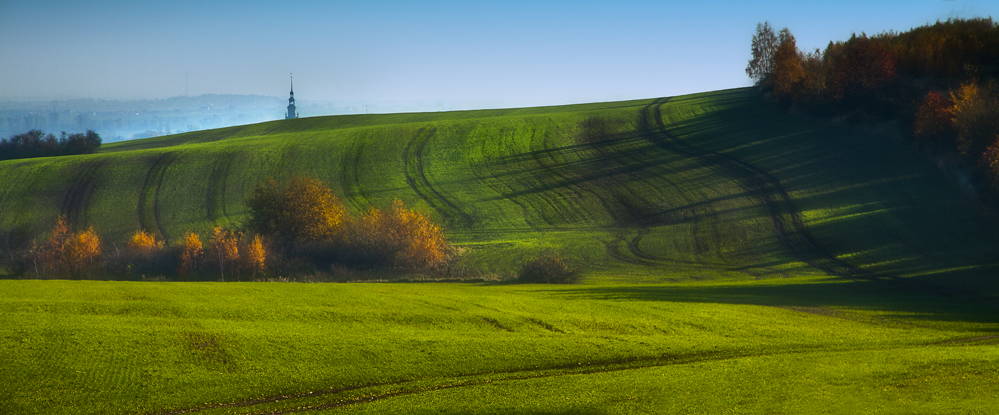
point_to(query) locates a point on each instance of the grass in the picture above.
(737, 259)
(646, 190)
(126, 347)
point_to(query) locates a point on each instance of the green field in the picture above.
(736, 259)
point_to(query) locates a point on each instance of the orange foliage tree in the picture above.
(225, 247)
(190, 254)
(859, 65)
(82, 253)
(144, 244)
(976, 116)
(406, 238)
(934, 118)
(76, 254)
(254, 255)
(304, 209)
(788, 69)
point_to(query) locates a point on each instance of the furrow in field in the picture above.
(215, 197)
(764, 186)
(417, 179)
(77, 197)
(149, 215)
(312, 401)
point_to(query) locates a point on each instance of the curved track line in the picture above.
(215, 195)
(77, 197)
(148, 212)
(481, 378)
(413, 159)
(784, 216)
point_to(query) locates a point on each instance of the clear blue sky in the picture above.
(464, 53)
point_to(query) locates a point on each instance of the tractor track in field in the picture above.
(215, 195)
(149, 213)
(350, 176)
(77, 197)
(416, 177)
(483, 378)
(467, 380)
(765, 187)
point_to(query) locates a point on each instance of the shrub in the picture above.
(82, 254)
(549, 269)
(402, 238)
(64, 252)
(304, 209)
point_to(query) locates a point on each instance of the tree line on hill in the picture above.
(938, 80)
(36, 143)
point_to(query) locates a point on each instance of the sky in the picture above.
(447, 54)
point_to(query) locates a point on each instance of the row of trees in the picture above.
(36, 143)
(937, 79)
(298, 227)
(82, 254)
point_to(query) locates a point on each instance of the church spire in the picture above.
(292, 111)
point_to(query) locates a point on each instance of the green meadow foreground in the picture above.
(802, 345)
(736, 259)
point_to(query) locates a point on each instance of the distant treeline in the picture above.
(36, 143)
(938, 81)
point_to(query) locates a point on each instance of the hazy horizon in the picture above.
(447, 54)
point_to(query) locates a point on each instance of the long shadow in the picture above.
(905, 304)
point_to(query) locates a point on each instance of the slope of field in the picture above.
(802, 345)
(713, 185)
(737, 260)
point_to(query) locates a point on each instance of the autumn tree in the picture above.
(253, 255)
(787, 66)
(144, 244)
(73, 254)
(304, 209)
(401, 237)
(811, 89)
(989, 163)
(764, 50)
(190, 255)
(934, 118)
(50, 254)
(225, 248)
(860, 65)
(976, 116)
(82, 253)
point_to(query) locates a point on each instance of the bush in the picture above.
(67, 253)
(303, 210)
(304, 219)
(143, 255)
(549, 269)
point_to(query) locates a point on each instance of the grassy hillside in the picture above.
(711, 185)
(738, 260)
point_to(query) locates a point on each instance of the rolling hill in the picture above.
(712, 185)
(738, 259)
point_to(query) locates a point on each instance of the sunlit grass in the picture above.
(149, 347)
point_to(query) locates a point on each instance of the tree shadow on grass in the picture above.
(901, 301)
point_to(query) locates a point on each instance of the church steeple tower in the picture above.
(292, 112)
